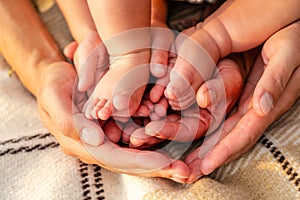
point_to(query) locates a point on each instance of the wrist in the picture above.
(32, 74)
(56, 74)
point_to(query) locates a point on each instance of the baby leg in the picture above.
(124, 28)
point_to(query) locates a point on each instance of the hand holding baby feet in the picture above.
(250, 120)
(218, 148)
(195, 122)
(219, 94)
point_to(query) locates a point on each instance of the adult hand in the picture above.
(281, 56)
(244, 126)
(56, 105)
(61, 115)
(90, 59)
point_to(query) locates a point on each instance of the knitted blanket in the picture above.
(32, 166)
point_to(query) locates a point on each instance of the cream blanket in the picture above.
(32, 166)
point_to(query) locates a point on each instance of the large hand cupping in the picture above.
(218, 148)
(61, 114)
(102, 147)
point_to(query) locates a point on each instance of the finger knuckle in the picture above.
(66, 127)
(226, 149)
(236, 85)
(278, 78)
(248, 137)
(158, 57)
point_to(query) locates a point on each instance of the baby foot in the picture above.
(192, 67)
(120, 90)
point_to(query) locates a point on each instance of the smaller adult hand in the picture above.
(281, 57)
(244, 126)
(90, 58)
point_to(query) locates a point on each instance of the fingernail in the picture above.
(206, 167)
(150, 131)
(178, 178)
(266, 102)
(90, 136)
(159, 69)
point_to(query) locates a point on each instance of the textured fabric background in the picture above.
(43, 5)
(32, 166)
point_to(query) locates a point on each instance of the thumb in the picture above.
(90, 132)
(279, 67)
(70, 49)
